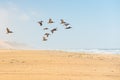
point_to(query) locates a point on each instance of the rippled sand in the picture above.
(57, 65)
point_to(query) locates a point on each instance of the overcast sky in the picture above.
(95, 23)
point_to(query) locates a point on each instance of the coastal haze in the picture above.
(59, 40)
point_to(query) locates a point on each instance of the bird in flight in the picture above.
(41, 23)
(44, 39)
(68, 27)
(50, 21)
(66, 24)
(62, 21)
(8, 31)
(54, 29)
(47, 34)
(45, 28)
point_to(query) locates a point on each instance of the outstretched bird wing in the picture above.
(68, 27)
(40, 22)
(8, 31)
(54, 29)
(62, 21)
(66, 24)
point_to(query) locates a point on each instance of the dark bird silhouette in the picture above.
(50, 21)
(47, 34)
(66, 24)
(41, 23)
(8, 31)
(54, 29)
(45, 28)
(44, 39)
(68, 27)
(62, 21)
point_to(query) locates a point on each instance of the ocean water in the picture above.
(103, 51)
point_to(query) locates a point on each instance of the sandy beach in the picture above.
(57, 65)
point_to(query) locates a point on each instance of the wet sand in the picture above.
(57, 65)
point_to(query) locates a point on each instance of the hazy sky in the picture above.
(96, 23)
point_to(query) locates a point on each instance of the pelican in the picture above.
(45, 28)
(68, 27)
(62, 21)
(54, 29)
(41, 23)
(66, 24)
(8, 31)
(50, 21)
(44, 39)
(47, 34)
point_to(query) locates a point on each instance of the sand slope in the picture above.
(57, 65)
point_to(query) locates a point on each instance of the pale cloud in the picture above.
(16, 19)
(11, 13)
(13, 45)
(4, 16)
(36, 14)
(24, 17)
(9, 16)
(4, 45)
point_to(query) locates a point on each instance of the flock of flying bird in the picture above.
(46, 35)
(50, 21)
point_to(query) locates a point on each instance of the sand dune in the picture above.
(57, 65)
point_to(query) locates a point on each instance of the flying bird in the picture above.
(47, 34)
(50, 21)
(54, 29)
(44, 39)
(68, 27)
(8, 31)
(62, 21)
(41, 23)
(45, 28)
(66, 24)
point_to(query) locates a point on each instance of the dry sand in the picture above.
(57, 65)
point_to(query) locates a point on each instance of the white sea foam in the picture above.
(106, 51)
